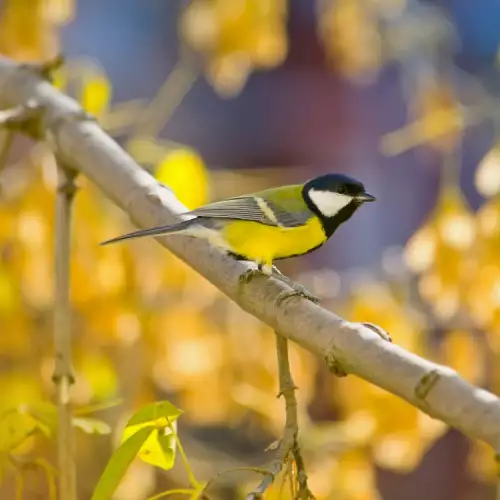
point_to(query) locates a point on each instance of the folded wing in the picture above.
(251, 208)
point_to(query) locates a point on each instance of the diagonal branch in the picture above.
(347, 347)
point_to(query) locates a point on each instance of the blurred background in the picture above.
(221, 97)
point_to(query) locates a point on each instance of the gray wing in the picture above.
(251, 208)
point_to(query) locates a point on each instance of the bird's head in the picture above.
(335, 197)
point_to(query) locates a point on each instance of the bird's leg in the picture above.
(298, 290)
(250, 274)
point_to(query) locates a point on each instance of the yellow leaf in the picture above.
(96, 94)
(15, 428)
(88, 80)
(100, 374)
(159, 447)
(183, 171)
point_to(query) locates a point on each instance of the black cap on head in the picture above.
(342, 184)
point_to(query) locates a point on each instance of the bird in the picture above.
(271, 225)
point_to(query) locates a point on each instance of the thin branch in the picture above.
(217, 475)
(352, 348)
(19, 115)
(8, 139)
(63, 370)
(288, 446)
(45, 69)
(168, 98)
(16, 118)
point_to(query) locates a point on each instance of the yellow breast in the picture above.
(262, 243)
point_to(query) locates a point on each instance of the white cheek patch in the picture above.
(329, 203)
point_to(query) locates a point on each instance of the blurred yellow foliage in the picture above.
(462, 352)
(350, 34)
(98, 375)
(183, 171)
(439, 120)
(24, 33)
(483, 295)
(488, 173)
(236, 37)
(354, 477)
(28, 27)
(86, 80)
(440, 251)
(482, 462)
(397, 432)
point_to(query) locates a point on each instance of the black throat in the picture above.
(330, 224)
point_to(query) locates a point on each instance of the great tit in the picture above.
(273, 224)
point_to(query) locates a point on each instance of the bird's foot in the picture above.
(297, 291)
(249, 275)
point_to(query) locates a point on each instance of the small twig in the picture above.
(192, 480)
(5, 147)
(289, 472)
(63, 370)
(289, 444)
(216, 476)
(170, 95)
(45, 69)
(19, 116)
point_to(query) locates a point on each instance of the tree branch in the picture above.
(354, 349)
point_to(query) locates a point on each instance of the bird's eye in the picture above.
(341, 190)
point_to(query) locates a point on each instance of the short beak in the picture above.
(364, 197)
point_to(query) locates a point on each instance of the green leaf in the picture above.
(155, 411)
(159, 449)
(92, 425)
(119, 463)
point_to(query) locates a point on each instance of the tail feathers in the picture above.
(154, 231)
